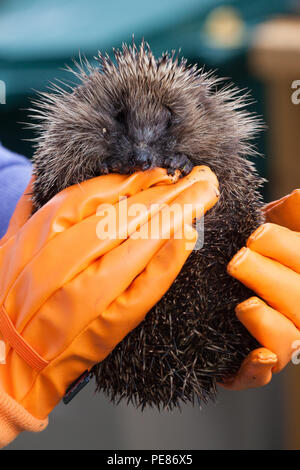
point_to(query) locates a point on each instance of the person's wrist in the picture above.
(14, 419)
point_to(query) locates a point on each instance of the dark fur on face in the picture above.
(140, 113)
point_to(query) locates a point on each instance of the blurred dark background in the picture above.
(248, 42)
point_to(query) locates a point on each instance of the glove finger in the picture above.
(110, 277)
(82, 239)
(100, 335)
(278, 285)
(120, 316)
(285, 211)
(255, 371)
(130, 214)
(75, 203)
(139, 249)
(271, 329)
(278, 243)
(272, 204)
(21, 214)
(131, 307)
(80, 246)
(78, 202)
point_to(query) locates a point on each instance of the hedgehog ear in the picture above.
(120, 117)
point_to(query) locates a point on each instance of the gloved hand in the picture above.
(270, 266)
(69, 295)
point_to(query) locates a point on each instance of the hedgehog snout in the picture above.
(142, 158)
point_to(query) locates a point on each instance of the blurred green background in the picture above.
(37, 39)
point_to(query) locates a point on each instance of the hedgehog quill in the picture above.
(138, 113)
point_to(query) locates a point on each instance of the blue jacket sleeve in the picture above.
(15, 172)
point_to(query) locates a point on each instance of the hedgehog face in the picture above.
(139, 141)
(133, 115)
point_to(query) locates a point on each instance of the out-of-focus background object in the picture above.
(37, 38)
(275, 59)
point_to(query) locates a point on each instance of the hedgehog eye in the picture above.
(168, 115)
(120, 117)
(168, 112)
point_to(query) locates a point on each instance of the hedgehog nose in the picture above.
(142, 158)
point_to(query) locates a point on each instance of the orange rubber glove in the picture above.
(68, 296)
(270, 266)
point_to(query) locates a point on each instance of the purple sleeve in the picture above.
(15, 172)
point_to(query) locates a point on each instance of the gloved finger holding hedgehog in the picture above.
(270, 265)
(49, 341)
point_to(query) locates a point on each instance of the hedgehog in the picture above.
(135, 112)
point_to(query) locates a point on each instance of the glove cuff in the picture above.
(14, 419)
